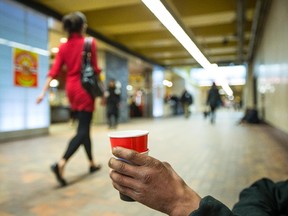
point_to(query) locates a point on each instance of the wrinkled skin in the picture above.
(152, 183)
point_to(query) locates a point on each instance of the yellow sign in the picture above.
(25, 68)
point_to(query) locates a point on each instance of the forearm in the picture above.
(188, 202)
(46, 85)
(211, 207)
(44, 90)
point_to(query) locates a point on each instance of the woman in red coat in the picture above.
(70, 55)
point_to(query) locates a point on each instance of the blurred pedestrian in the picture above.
(214, 101)
(70, 55)
(113, 98)
(186, 101)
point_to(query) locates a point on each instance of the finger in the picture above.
(123, 180)
(131, 156)
(125, 190)
(124, 168)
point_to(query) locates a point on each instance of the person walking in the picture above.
(113, 95)
(186, 100)
(70, 55)
(214, 101)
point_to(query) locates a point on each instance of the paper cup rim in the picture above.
(128, 133)
(145, 152)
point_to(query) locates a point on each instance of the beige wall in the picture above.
(271, 67)
(248, 89)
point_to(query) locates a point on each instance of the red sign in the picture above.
(25, 68)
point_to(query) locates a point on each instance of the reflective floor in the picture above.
(218, 160)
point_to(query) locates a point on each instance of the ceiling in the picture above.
(224, 30)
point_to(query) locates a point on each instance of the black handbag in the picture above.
(90, 80)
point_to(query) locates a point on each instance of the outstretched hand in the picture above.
(152, 183)
(40, 98)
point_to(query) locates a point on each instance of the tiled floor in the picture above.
(217, 159)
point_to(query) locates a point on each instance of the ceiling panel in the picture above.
(214, 25)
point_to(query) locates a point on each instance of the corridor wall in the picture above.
(117, 69)
(22, 31)
(271, 67)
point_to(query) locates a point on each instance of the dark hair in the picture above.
(73, 22)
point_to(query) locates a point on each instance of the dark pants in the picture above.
(82, 136)
(112, 115)
(212, 114)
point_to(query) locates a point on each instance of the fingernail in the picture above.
(114, 149)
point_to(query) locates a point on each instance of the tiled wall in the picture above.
(271, 67)
(26, 29)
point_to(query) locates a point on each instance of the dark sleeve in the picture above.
(211, 207)
(263, 198)
(118, 98)
(208, 97)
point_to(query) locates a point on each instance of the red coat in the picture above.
(70, 54)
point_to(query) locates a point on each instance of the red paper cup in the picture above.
(132, 139)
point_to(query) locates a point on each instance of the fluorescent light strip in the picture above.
(164, 16)
(24, 46)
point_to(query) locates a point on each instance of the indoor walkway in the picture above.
(218, 159)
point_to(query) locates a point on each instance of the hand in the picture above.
(152, 183)
(40, 98)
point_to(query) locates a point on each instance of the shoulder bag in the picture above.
(90, 80)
